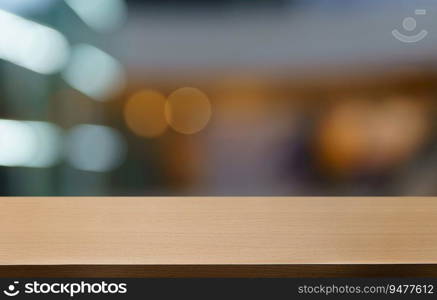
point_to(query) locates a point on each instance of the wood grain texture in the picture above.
(217, 231)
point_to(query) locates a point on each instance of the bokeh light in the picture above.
(188, 110)
(100, 15)
(29, 143)
(31, 45)
(401, 126)
(95, 148)
(17, 143)
(94, 72)
(49, 149)
(144, 113)
(343, 136)
(369, 136)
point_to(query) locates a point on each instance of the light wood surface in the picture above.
(211, 230)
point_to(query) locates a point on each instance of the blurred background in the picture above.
(220, 97)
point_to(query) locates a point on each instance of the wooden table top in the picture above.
(215, 230)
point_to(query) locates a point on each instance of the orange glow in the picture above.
(372, 135)
(344, 135)
(188, 110)
(144, 113)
